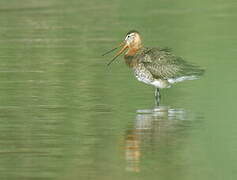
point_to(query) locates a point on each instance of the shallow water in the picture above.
(65, 115)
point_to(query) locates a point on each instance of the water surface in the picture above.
(65, 115)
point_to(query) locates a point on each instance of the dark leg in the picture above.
(157, 96)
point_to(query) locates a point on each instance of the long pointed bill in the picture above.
(118, 53)
(113, 49)
(110, 51)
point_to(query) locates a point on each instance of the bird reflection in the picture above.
(152, 126)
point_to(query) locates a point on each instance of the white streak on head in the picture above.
(130, 38)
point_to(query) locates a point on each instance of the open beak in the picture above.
(125, 46)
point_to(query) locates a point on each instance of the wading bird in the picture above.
(155, 66)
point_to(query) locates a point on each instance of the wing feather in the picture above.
(163, 64)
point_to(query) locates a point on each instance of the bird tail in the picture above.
(190, 72)
(182, 78)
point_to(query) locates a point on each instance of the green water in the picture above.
(65, 115)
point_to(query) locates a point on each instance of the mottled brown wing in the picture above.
(163, 64)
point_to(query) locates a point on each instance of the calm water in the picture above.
(65, 115)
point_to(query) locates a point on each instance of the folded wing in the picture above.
(163, 64)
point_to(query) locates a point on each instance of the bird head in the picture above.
(132, 42)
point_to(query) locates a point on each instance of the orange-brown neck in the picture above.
(130, 55)
(132, 50)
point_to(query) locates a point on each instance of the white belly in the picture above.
(146, 77)
(143, 75)
(160, 83)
